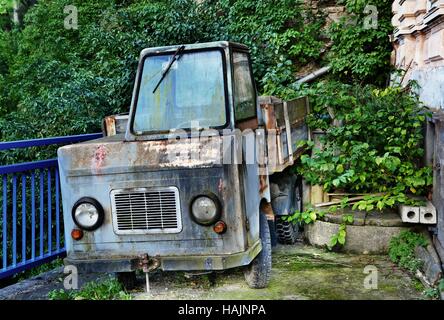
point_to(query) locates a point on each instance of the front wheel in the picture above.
(258, 273)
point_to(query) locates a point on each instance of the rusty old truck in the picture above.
(196, 177)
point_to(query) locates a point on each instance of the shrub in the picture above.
(55, 81)
(377, 148)
(402, 250)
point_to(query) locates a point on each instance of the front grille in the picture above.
(146, 210)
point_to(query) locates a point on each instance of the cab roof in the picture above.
(194, 46)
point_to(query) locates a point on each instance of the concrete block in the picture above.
(385, 218)
(427, 214)
(336, 217)
(409, 214)
(360, 239)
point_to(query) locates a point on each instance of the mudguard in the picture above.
(285, 198)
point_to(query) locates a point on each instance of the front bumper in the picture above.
(168, 263)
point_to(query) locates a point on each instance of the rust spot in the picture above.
(220, 187)
(99, 157)
(262, 184)
(267, 209)
(110, 126)
(270, 117)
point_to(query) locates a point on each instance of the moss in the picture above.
(305, 263)
(418, 285)
(301, 272)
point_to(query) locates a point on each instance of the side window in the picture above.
(244, 94)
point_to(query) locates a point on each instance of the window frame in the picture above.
(239, 50)
(188, 130)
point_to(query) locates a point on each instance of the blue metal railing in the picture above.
(31, 220)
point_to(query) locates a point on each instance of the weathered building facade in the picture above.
(419, 46)
(418, 41)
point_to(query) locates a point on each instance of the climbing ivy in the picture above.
(373, 145)
(377, 147)
(361, 46)
(55, 81)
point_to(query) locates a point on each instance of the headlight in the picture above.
(88, 214)
(205, 210)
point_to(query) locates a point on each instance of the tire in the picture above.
(128, 280)
(257, 274)
(287, 232)
(273, 232)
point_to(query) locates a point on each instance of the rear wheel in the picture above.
(287, 232)
(257, 274)
(128, 280)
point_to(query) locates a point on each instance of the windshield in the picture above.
(192, 90)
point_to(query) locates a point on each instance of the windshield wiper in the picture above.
(176, 56)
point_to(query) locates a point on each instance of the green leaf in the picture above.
(336, 182)
(380, 205)
(333, 240)
(339, 168)
(349, 218)
(313, 216)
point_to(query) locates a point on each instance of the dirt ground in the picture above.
(299, 272)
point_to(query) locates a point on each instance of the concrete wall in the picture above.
(432, 85)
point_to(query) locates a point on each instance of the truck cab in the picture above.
(187, 185)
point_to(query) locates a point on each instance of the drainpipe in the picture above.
(15, 16)
(314, 75)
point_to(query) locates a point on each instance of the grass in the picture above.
(38, 270)
(108, 289)
(402, 250)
